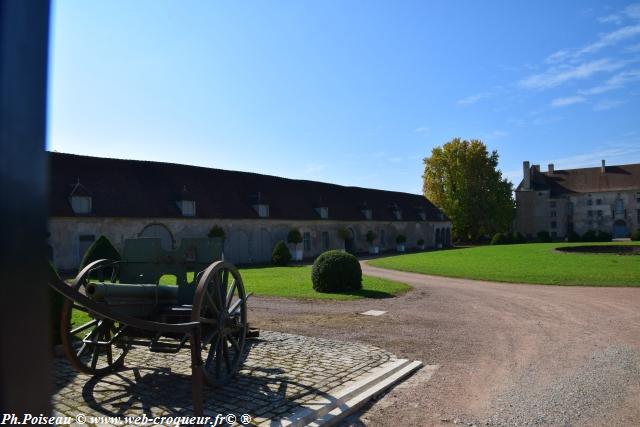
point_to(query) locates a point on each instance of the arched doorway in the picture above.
(160, 231)
(237, 247)
(349, 244)
(620, 229)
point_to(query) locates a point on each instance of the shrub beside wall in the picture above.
(280, 255)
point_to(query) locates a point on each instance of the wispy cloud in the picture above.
(472, 99)
(607, 104)
(616, 82)
(569, 100)
(556, 76)
(618, 153)
(611, 38)
(422, 130)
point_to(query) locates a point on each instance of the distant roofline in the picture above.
(232, 171)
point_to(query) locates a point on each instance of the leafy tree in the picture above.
(462, 178)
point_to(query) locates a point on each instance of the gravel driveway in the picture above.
(508, 354)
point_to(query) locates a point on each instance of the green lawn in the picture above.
(295, 282)
(528, 263)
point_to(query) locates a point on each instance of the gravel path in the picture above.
(508, 354)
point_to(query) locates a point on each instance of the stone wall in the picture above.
(248, 241)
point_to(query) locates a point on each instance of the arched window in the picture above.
(160, 231)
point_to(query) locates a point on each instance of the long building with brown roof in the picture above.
(605, 198)
(92, 196)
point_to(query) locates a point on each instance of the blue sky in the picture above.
(351, 92)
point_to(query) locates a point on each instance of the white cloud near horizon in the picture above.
(618, 81)
(555, 76)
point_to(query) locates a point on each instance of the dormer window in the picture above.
(187, 207)
(396, 212)
(323, 212)
(262, 210)
(81, 204)
(80, 199)
(366, 213)
(422, 215)
(185, 203)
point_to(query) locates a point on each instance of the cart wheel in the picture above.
(220, 305)
(92, 344)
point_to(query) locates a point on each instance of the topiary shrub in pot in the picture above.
(280, 255)
(100, 249)
(519, 238)
(572, 236)
(371, 237)
(603, 236)
(336, 271)
(295, 238)
(544, 237)
(401, 239)
(216, 231)
(635, 236)
(421, 244)
(589, 236)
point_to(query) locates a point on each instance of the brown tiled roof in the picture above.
(587, 180)
(133, 188)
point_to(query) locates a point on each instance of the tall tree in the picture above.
(463, 180)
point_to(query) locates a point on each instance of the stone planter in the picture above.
(400, 248)
(421, 247)
(297, 255)
(439, 246)
(374, 250)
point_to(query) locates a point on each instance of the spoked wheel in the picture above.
(92, 344)
(220, 305)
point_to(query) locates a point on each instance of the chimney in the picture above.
(602, 169)
(551, 169)
(536, 168)
(526, 176)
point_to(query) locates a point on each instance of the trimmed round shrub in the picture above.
(603, 236)
(635, 236)
(544, 237)
(216, 231)
(294, 237)
(344, 233)
(420, 242)
(336, 271)
(371, 237)
(280, 255)
(590, 236)
(498, 239)
(401, 239)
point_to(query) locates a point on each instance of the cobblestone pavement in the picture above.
(281, 373)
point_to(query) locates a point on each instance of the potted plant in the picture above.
(421, 244)
(218, 232)
(295, 238)
(371, 237)
(400, 241)
(344, 234)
